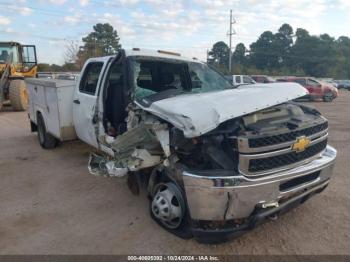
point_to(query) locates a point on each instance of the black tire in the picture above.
(183, 230)
(328, 97)
(46, 140)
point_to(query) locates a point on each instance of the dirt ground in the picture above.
(50, 204)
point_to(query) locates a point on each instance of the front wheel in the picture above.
(328, 97)
(168, 209)
(46, 140)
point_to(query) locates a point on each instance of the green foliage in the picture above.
(286, 53)
(102, 41)
(67, 67)
(219, 55)
(44, 67)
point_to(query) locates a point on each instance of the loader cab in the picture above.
(22, 58)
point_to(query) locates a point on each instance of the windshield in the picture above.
(156, 78)
(5, 52)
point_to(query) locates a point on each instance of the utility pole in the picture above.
(230, 34)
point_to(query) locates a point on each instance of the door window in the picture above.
(90, 78)
(313, 83)
(300, 81)
(29, 55)
(247, 80)
(238, 79)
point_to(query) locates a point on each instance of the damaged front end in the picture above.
(215, 162)
(145, 144)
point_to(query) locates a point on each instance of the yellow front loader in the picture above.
(17, 62)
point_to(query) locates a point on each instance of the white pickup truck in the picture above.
(216, 161)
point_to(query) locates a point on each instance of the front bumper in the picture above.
(225, 197)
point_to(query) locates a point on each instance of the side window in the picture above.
(313, 83)
(247, 80)
(29, 54)
(90, 78)
(301, 81)
(238, 79)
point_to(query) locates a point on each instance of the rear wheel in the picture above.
(328, 97)
(46, 140)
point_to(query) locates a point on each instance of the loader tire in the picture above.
(18, 95)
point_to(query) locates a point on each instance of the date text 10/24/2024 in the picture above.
(173, 258)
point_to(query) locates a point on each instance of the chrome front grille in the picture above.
(263, 164)
(275, 154)
(286, 137)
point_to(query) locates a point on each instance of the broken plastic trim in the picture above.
(100, 166)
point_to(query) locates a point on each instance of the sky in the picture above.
(190, 27)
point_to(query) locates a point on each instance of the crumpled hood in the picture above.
(197, 114)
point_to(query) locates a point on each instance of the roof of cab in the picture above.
(157, 53)
(147, 53)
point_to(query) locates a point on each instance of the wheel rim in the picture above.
(168, 205)
(328, 96)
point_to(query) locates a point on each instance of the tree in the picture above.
(286, 53)
(72, 63)
(103, 41)
(282, 44)
(239, 55)
(71, 52)
(219, 55)
(42, 67)
(262, 53)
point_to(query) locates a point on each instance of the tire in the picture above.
(160, 202)
(18, 95)
(328, 97)
(46, 140)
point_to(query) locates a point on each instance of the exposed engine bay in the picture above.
(150, 141)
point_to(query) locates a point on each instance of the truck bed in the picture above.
(53, 98)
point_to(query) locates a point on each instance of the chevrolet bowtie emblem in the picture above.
(301, 144)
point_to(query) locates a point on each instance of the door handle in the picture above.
(76, 101)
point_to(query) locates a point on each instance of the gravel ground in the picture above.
(50, 204)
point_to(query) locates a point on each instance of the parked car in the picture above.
(343, 84)
(238, 80)
(213, 159)
(45, 75)
(65, 76)
(332, 82)
(263, 79)
(317, 89)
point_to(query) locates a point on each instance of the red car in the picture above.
(316, 88)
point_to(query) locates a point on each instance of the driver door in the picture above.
(85, 100)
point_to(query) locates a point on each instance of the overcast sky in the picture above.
(187, 26)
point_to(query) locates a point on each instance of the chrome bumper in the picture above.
(218, 198)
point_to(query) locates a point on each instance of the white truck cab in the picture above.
(238, 80)
(215, 160)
